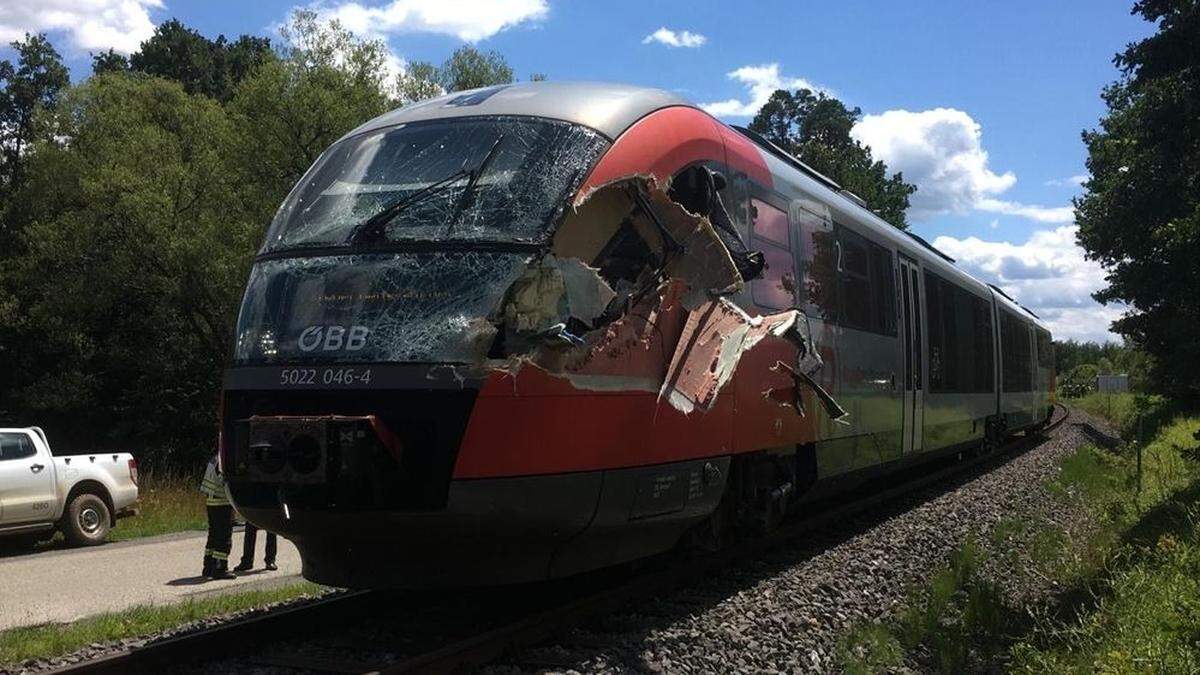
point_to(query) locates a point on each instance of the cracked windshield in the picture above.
(496, 179)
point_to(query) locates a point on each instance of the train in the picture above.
(532, 330)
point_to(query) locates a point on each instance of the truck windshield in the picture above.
(476, 178)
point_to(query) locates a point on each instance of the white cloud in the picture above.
(1049, 274)
(672, 38)
(468, 20)
(941, 152)
(1069, 181)
(95, 25)
(1042, 214)
(760, 81)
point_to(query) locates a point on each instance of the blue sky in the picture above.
(981, 104)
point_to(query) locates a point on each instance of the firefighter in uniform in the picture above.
(220, 523)
(248, 543)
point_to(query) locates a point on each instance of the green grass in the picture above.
(167, 502)
(1122, 411)
(949, 626)
(1130, 579)
(38, 642)
(1137, 604)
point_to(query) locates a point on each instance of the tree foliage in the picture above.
(32, 84)
(816, 128)
(144, 199)
(1078, 364)
(202, 66)
(290, 109)
(129, 275)
(1140, 213)
(419, 81)
(469, 68)
(466, 68)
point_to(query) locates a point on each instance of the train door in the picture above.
(914, 387)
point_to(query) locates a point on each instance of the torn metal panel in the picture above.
(713, 341)
(679, 244)
(587, 294)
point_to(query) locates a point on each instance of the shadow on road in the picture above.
(188, 581)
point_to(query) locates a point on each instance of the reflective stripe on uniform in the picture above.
(219, 555)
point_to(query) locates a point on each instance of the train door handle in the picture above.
(36, 468)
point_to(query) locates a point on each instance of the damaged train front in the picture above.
(392, 278)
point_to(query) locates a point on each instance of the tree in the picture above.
(1140, 213)
(32, 85)
(419, 81)
(289, 110)
(816, 128)
(110, 61)
(131, 276)
(469, 68)
(208, 67)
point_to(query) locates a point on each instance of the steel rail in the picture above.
(226, 639)
(246, 635)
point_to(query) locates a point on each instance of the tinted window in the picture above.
(16, 446)
(960, 338)
(1017, 358)
(776, 288)
(867, 284)
(1045, 348)
(818, 253)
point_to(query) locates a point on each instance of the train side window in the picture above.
(960, 338)
(1017, 362)
(1045, 349)
(936, 343)
(854, 278)
(867, 282)
(818, 255)
(883, 281)
(776, 288)
(983, 342)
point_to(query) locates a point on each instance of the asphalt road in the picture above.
(69, 584)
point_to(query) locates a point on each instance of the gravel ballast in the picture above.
(788, 613)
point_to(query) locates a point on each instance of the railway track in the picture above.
(526, 627)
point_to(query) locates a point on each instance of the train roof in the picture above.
(607, 108)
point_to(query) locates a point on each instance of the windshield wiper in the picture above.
(468, 193)
(372, 229)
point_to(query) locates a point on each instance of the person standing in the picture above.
(248, 543)
(220, 522)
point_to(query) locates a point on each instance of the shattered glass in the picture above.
(530, 169)
(410, 307)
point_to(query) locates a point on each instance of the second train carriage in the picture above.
(383, 410)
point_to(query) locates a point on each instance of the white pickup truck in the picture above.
(81, 495)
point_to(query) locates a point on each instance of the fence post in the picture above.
(1139, 453)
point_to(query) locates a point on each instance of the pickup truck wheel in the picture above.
(87, 520)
